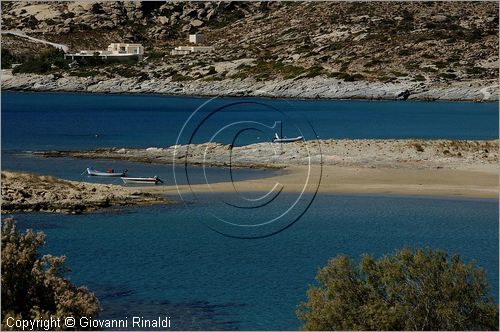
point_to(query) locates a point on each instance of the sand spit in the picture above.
(401, 167)
(24, 192)
(409, 153)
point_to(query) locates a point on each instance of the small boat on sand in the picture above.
(153, 180)
(277, 139)
(109, 173)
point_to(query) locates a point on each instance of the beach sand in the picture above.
(480, 182)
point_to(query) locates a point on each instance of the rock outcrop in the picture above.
(319, 87)
(23, 192)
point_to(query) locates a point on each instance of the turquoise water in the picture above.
(45, 121)
(162, 260)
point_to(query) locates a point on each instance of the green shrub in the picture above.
(412, 65)
(404, 52)
(213, 78)
(8, 58)
(420, 78)
(347, 77)
(154, 55)
(408, 290)
(211, 70)
(398, 73)
(440, 64)
(448, 76)
(429, 69)
(33, 286)
(179, 78)
(475, 70)
(315, 71)
(128, 71)
(43, 63)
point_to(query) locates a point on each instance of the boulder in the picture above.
(439, 18)
(197, 23)
(163, 20)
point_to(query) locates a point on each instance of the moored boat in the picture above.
(153, 180)
(110, 173)
(277, 139)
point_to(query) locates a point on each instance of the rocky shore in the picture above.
(403, 153)
(303, 88)
(23, 192)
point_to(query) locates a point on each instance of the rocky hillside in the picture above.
(432, 42)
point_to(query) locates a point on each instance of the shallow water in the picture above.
(163, 261)
(72, 169)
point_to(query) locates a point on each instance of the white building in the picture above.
(122, 48)
(197, 38)
(116, 51)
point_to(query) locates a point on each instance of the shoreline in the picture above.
(159, 95)
(321, 88)
(414, 167)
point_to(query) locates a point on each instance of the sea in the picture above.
(167, 260)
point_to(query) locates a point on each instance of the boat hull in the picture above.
(141, 180)
(92, 172)
(288, 140)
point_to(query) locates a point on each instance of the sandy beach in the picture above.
(479, 183)
(405, 167)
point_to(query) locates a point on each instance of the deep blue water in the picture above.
(45, 121)
(162, 261)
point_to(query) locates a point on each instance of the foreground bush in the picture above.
(409, 290)
(34, 286)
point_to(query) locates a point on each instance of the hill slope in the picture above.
(398, 42)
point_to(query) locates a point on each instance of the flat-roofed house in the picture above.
(123, 48)
(115, 51)
(197, 38)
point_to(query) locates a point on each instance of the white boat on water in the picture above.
(110, 173)
(153, 180)
(277, 139)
